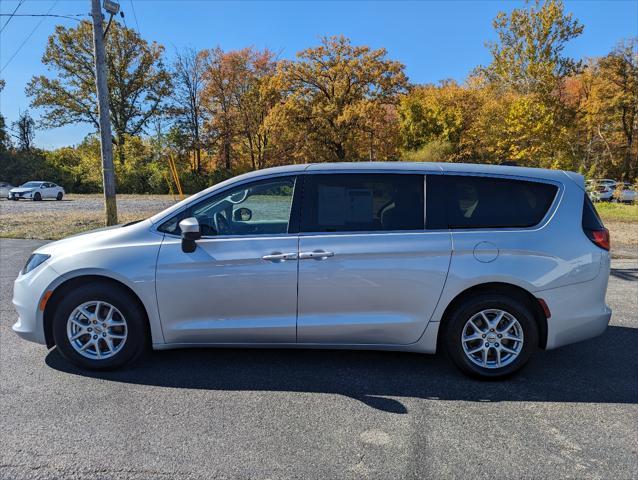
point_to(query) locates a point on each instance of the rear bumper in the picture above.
(579, 311)
(575, 329)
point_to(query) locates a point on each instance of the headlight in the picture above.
(35, 260)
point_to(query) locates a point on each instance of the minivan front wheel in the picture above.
(491, 336)
(99, 327)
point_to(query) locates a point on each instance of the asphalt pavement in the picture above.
(572, 413)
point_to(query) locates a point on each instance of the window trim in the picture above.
(362, 172)
(551, 210)
(295, 175)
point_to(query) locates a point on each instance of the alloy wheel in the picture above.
(97, 330)
(492, 338)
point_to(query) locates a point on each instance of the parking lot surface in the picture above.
(320, 414)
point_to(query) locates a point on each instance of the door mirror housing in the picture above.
(190, 233)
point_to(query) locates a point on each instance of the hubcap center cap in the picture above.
(491, 338)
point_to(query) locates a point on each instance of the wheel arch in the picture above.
(67, 285)
(502, 288)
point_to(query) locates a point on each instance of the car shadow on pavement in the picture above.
(601, 370)
(628, 274)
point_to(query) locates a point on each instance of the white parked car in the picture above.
(604, 193)
(4, 189)
(37, 190)
(627, 195)
(488, 263)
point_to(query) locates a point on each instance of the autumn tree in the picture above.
(138, 82)
(221, 80)
(618, 76)
(255, 95)
(605, 97)
(187, 107)
(440, 116)
(238, 95)
(330, 93)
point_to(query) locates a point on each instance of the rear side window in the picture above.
(591, 220)
(362, 202)
(488, 202)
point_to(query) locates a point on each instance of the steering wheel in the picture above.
(221, 224)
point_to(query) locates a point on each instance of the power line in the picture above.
(71, 17)
(28, 36)
(137, 25)
(11, 16)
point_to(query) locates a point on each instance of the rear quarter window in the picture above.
(591, 219)
(486, 202)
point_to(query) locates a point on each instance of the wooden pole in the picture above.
(106, 144)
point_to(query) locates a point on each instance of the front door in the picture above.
(369, 273)
(240, 284)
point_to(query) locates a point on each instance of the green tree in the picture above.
(529, 54)
(4, 136)
(24, 127)
(138, 82)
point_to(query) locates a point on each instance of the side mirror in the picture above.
(242, 214)
(190, 233)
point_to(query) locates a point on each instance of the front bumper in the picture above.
(28, 290)
(25, 195)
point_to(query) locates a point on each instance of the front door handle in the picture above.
(317, 255)
(279, 257)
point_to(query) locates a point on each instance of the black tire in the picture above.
(137, 335)
(59, 196)
(37, 197)
(455, 324)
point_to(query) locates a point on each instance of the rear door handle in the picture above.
(317, 255)
(279, 257)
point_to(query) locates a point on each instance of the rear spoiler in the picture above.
(577, 178)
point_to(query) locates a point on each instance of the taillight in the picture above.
(599, 238)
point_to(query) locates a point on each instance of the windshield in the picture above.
(31, 184)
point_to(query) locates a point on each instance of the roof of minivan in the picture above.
(476, 168)
(421, 166)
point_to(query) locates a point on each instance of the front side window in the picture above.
(487, 202)
(258, 208)
(362, 202)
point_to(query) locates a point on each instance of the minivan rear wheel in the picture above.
(99, 327)
(491, 336)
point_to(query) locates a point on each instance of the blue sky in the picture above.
(434, 39)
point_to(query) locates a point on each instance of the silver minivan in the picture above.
(487, 263)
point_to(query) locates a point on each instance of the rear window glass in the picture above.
(362, 202)
(488, 202)
(591, 220)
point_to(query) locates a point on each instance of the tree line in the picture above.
(219, 113)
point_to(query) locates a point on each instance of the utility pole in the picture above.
(101, 73)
